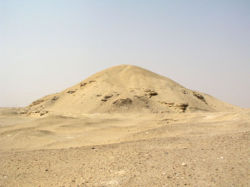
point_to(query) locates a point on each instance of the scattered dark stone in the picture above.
(200, 97)
(37, 102)
(121, 102)
(182, 106)
(151, 93)
(55, 98)
(71, 91)
(83, 84)
(43, 113)
(98, 95)
(46, 169)
(106, 97)
(184, 92)
(169, 104)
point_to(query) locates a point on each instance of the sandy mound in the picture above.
(125, 126)
(126, 88)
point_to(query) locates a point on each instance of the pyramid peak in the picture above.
(125, 88)
(128, 68)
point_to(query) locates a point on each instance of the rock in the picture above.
(182, 106)
(121, 102)
(200, 97)
(43, 112)
(55, 98)
(71, 91)
(106, 97)
(179, 107)
(37, 102)
(166, 103)
(151, 93)
(83, 84)
(183, 164)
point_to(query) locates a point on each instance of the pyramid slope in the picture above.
(126, 88)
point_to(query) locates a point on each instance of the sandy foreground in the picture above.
(185, 149)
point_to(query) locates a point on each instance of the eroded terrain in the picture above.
(181, 149)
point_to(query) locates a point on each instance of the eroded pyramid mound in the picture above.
(126, 88)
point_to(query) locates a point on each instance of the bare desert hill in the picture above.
(126, 88)
(125, 127)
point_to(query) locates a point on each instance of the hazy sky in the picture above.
(49, 45)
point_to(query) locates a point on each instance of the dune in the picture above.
(125, 126)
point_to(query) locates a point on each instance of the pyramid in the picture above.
(126, 89)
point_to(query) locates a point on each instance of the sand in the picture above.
(125, 89)
(125, 126)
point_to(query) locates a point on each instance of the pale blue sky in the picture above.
(49, 45)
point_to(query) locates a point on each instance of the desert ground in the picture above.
(125, 126)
